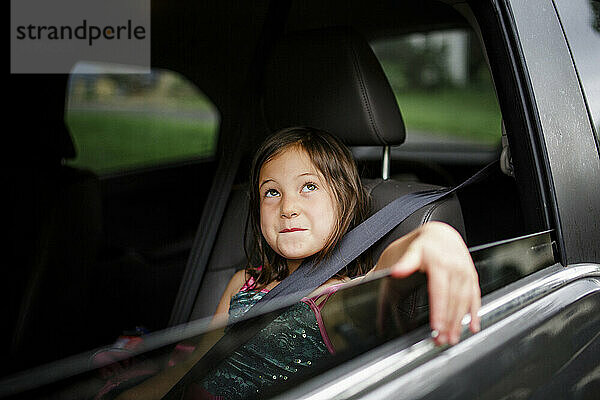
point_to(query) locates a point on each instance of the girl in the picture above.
(305, 194)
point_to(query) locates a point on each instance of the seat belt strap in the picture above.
(205, 237)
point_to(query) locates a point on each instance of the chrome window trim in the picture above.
(398, 359)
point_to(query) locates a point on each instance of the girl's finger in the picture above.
(438, 288)
(462, 301)
(453, 307)
(409, 263)
(475, 324)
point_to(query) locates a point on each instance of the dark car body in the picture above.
(540, 333)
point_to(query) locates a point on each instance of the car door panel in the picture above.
(518, 353)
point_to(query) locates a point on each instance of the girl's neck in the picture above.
(293, 264)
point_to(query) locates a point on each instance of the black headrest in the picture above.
(330, 79)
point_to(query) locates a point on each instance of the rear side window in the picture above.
(443, 86)
(122, 122)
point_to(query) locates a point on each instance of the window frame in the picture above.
(563, 127)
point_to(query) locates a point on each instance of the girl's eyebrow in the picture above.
(301, 175)
(265, 181)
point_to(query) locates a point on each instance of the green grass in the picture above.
(470, 114)
(110, 141)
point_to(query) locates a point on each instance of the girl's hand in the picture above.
(439, 251)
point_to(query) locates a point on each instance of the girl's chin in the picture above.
(294, 249)
(295, 254)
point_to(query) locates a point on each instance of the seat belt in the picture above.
(307, 277)
(205, 237)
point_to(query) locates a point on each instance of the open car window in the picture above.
(357, 317)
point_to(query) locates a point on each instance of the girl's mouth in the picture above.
(291, 230)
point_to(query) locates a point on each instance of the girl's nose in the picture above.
(289, 214)
(289, 208)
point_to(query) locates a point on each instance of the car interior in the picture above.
(98, 254)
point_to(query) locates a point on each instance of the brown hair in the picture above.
(335, 162)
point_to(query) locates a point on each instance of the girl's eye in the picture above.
(271, 193)
(309, 187)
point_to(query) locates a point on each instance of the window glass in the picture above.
(581, 23)
(126, 121)
(443, 86)
(305, 339)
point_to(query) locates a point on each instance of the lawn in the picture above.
(465, 113)
(108, 141)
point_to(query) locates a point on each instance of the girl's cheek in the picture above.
(262, 232)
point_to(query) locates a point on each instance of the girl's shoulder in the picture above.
(330, 287)
(236, 283)
(244, 279)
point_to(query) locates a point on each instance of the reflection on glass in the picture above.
(271, 353)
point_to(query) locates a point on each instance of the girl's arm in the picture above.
(438, 250)
(160, 384)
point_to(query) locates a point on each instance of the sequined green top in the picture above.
(287, 346)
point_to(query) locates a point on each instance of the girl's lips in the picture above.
(291, 230)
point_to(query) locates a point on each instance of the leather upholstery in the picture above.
(227, 257)
(384, 192)
(330, 79)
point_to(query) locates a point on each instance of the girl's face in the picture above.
(297, 208)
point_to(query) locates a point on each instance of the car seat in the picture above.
(328, 79)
